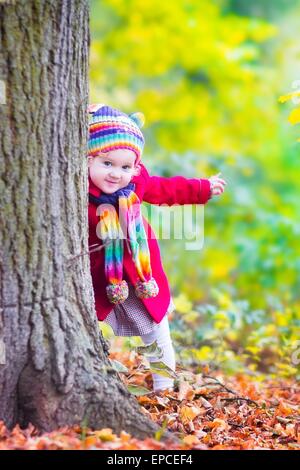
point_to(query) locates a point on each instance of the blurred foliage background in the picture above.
(208, 75)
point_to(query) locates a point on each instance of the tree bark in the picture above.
(54, 369)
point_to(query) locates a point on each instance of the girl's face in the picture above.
(112, 170)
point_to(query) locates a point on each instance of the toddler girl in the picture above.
(131, 289)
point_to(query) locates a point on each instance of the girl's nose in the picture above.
(114, 173)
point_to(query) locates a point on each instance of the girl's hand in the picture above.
(217, 185)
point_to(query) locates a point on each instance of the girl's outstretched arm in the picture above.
(174, 189)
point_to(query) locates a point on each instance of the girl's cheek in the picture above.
(96, 174)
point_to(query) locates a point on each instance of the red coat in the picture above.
(155, 190)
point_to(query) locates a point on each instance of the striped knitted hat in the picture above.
(111, 129)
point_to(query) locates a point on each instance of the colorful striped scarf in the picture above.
(114, 230)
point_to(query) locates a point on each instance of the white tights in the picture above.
(162, 335)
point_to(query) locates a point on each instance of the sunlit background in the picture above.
(208, 76)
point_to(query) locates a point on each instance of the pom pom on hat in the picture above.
(138, 118)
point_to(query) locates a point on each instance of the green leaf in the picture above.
(150, 350)
(138, 390)
(118, 366)
(158, 435)
(162, 369)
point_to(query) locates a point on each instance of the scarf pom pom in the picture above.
(146, 289)
(117, 293)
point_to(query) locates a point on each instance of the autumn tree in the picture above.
(54, 367)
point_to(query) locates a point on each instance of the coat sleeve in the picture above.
(175, 189)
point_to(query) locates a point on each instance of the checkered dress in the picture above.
(131, 318)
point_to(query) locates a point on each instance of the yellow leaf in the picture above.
(270, 330)
(253, 349)
(191, 317)
(182, 304)
(188, 413)
(232, 335)
(294, 117)
(289, 96)
(282, 319)
(204, 353)
(105, 434)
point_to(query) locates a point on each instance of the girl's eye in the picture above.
(108, 163)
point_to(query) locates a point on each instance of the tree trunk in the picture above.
(54, 369)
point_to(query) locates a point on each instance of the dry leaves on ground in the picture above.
(206, 411)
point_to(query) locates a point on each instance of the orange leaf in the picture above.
(188, 413)
(190, 440)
